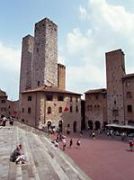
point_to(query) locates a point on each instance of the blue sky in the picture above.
(86, 30)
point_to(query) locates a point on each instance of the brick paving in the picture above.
(103, 158)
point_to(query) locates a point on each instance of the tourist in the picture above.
(71, 143)
(93, 135)
(4, 120)
(18, 155)
(131, 145)
(78, 143)
(64, 143)
(11, 121)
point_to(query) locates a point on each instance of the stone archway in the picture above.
(75, 126)
(49, 123)
(90, 124)
(97, 125)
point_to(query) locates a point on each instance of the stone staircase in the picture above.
(44, 161)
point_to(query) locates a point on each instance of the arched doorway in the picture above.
(104, 124)
(75, 126)
(49, 124)
(90, 125)
(97, 125)
(60, 126)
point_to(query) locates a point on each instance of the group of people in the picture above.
(3, 120)
(64, 143)
(61, 139)
(17, 155)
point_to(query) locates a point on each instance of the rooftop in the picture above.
(128, 76)
(50, 90)
(96, 91)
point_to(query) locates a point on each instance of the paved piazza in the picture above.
(104, 158)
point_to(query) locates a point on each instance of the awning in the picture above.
(120, 126)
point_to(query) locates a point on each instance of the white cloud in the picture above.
(9, 70)
(83, 12)
(9, 58)
(108, 27)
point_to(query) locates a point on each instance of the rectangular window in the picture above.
(77, 109)
(129, 108)
(29, 110)
(129, 95)
(77, 99)
(29, 98)
(3, 101)
(71, 109)
(60, 98)
(23, 110)
(49, 97)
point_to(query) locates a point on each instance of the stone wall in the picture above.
(95, 108)
(115, 70)
(45, 54)
(61, 76)
(26, 59)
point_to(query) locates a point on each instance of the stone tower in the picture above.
(45, 54)
(115, 70)
(61, 76)
(26, 59)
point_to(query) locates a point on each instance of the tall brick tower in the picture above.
(61, 76)
(45, 54)
(26, 59)
(115, 70)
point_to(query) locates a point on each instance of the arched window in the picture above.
(29, 110)
(49, 110)
(60, 109)
(74, 126)
(77, 109)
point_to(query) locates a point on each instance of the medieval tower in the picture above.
(26, 60)
(45, 54)
(115, 71)
(61, 76)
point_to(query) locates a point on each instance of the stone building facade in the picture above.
(96, 108)
(118, 104)
(7, 107)
(3, 103)
(45, 105)
(128, 86)
(115, 71)
(26, 63)
(41, 78)
(13, 108)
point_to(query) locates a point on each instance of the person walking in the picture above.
(131, 145)
(64, 143)
(71, 143)
(78, 143)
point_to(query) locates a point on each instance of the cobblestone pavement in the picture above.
(103, 158)
(44, 161)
